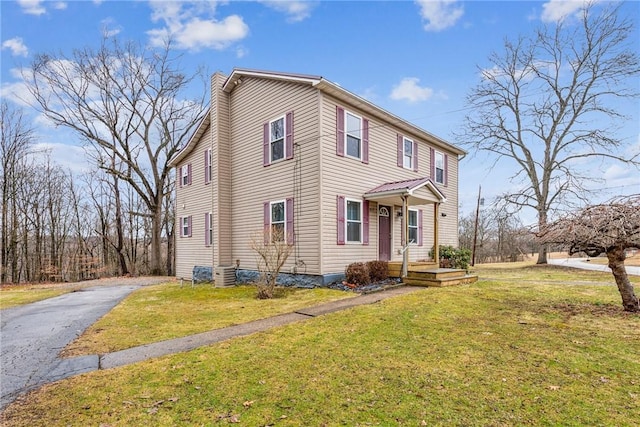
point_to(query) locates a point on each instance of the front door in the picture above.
(384, 233)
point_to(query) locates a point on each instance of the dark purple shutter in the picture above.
(365, 222)
(180, 175)
(340, 131)
(365, 141)
(189, 225)
(206, 229)
(189, 174)
(420, 227)
(415, 156)
(432, 157)
(341, 220)
(400, 151)
(265, 144)
(266, 222)
(288, 212)
(446, 170)
(206, 167)
(289, 138)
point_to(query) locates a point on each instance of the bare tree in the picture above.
(16, 138)
(609, 228)
(125, 102)
(545, 107)
(272, 251)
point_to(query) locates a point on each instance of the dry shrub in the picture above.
(357, 274)
(378, 270)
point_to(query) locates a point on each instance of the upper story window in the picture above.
(185, 175)
(276, 139)
(439, 168)
(407, 154)
(352, 135)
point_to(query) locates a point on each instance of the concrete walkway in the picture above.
(57, 369)
(585, 264)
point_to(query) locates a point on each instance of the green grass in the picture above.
(12, 296)
(499, 353)
(161, 312)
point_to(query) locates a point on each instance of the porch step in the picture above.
(440, 282)
(395, 267)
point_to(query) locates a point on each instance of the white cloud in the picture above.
(32, 7)
(16, 46)
(439, 14)
(557, 10)
(189, 30)
(60, 5)
(70, 157)
(295, 10)
(409, 89)
(110, 28)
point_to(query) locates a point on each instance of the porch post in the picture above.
(405, 247)
(436, 242)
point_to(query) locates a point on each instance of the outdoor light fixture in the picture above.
(443, 214)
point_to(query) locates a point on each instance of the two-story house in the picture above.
(344, 179)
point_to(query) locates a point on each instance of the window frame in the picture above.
(283, 222)
(208, 229)
(347, 221)
(283, 139)
(346, 135)
(208, 167)
(185, 226)
(435, 167)
(406, 140)
(184, 175)
(415, 227)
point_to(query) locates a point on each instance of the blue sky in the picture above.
(417, 60)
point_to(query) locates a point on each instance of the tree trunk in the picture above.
(542, 249)
(616, 258)
(119, 232)
(156, 240)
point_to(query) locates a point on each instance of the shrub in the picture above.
(357, 274)
(454, 257)
(378, 270)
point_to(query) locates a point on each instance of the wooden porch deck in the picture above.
(430, 274)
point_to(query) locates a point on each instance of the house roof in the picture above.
(329, 88)
(419, 191)
(343, 95)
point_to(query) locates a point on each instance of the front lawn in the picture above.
(162, 312)
(14, 295)
(502, 352)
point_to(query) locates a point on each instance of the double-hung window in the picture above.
(407, 153)
(354, 221)
(276, 139)
(185, 175)
(439, 167)
(353, 135)
(413, 226)
(185, 226)
(208, 229)
(278, 221)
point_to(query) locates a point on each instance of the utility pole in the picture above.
(475, 231)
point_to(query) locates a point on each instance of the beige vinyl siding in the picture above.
(254, 102)
(221, 175)
(351, 178)
(194, 200)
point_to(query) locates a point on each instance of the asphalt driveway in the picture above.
(32, 335)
